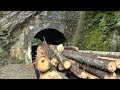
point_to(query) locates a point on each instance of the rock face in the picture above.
(22, 26)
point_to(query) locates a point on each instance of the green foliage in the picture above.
(97, 41)
(98, 29)
(36, 41)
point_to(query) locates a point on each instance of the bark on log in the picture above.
(51, 54)
(65, 61)
(63, 75)
(97, 72)
(48, 50)
(118, 73)
(102, 53)
(116, 60)
(55, 51)
(78, 72)
(91, 60)
(90, 76)
(71, 48)
(118, 76)
(70, 75)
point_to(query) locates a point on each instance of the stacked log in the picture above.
(59, 62)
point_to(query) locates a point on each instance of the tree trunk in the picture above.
(116, 60)
(78, 72)
(97, 72)
(90, 76)
(91, 60)
(79, 28)
(102, 53)
(49, 52)
(63, 75)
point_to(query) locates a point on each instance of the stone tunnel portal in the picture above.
(52, 36)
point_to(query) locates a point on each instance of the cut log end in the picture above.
(43, 64)
(83, 75)
(54, 62)
(60, 48)
(73, 62)
(61, 67)
(40, 52)
(117, 63)
(67, 64)
(112, 66)
(111, 76)
(50, 75)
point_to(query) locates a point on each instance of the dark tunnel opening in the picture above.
(52, 36)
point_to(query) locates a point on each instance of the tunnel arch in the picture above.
(52, 36)
(28, 37)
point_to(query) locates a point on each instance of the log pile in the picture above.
(59, 62)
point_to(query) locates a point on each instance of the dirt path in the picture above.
(17, 71)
